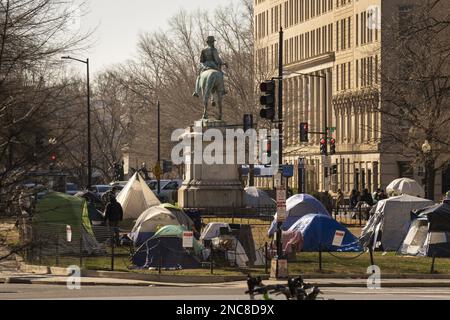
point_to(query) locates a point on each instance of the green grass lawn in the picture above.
(390, 263)
(307, 263)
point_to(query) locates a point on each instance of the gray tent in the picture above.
(429, 234)
(388, 227)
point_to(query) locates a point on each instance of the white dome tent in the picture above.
(405, 186)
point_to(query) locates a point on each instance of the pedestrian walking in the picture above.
(340, 200)
(113, 217)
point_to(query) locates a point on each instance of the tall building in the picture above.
(333, 59)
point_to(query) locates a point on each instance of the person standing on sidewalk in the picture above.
(113, 216)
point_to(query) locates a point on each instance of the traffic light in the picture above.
(332, 146)
(267, 151)
(167, 166)
(248, 122)
(304, 132)
(334, 170)
(323, 147)
(267, 100)
(53, 159)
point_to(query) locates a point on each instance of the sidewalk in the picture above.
(24, 278)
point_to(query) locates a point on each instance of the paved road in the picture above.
(224, 292)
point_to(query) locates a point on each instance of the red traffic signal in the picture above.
(323, 142)
(267, 86)
(53, 157)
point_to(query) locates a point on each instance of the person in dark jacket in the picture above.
(113, 216)
(353, 199)
(366, 197)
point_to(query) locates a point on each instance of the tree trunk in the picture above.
(430, 176)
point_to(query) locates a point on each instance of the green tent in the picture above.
(176, 232)
(54, 213)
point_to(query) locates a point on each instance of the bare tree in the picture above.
(415, 86)
(33, 34)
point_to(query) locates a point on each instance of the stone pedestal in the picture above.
(209, 185)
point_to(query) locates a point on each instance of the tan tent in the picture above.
(136, 197)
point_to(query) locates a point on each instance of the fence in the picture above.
(59, 245)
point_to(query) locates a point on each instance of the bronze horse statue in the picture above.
(212, 87)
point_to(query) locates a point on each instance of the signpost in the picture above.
(188, 239)
(338, 238)
(281, 204)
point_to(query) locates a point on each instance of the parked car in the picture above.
(71, 189)
(100, 189)
(169, 189)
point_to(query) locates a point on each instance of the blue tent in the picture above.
(318, 232)
(299, 206)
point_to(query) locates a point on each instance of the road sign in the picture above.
(338, 238)
(188, 239)
(278, 180)
(157, 171)
(288, 171)
(281, 204)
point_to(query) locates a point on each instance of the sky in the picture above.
(117, 24)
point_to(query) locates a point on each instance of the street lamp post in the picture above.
(89, 154)
(426, 149)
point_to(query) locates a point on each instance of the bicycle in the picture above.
(296, 289)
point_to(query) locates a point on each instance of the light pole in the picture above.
(89, 154)
(426, 149)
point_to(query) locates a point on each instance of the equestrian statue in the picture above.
(210, 81)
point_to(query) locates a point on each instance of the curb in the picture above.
(156, 278)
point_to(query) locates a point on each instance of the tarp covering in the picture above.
(257, 198)
(405, 186)
(318, 233)
(429, 233)
(165, 248)
(56, 211)
(136, 197)
(388, 227)
(299, 206)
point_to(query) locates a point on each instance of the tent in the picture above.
(136, 197)
(429, 234)
(245, 250)
(388, 226)
(156, 217)
(405, 186)
(165, 248)
(318, 232)
(257, 198)
(298, 206)
(56, 211)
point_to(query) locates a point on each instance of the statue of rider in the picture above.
(209, 59)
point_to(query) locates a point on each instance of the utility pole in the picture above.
(281, 138)
(89, 127)
(159, 148)
(89, 155)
